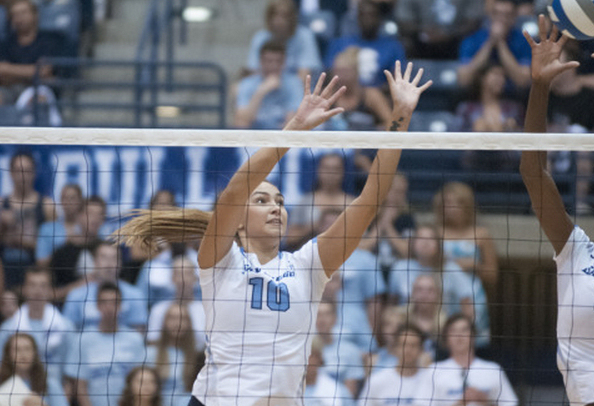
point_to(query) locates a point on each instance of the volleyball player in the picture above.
(574, 251)
(261, 303)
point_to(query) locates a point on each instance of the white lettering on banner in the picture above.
(5, 181)
(194, 185)
(71, 166)
(104, 160)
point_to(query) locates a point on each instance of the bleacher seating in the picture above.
(445, 93)
(63, 17)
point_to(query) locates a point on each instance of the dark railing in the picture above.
(206, 79)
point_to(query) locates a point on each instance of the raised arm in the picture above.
(340, 240)
(544, 195)
(315, 108)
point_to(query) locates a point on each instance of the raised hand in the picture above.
(315, 108)
(404, 91)
(546, 64)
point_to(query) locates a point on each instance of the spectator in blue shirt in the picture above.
(22, 49)
(81, 304)
(302, 52)
(100, 359)
(377, 52)
(268, 99)
(500, 42)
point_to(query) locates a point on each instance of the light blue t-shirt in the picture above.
(173, 391)
(276, 105)
(81, 306)
(104, 360)
(54, 393)
(301, 52)
(361, 281)
(343, 360)
(52, 235)
(155, 278)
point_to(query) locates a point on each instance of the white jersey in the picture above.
(259, 323)
(388, 387)
(446, 381)
(575, 320)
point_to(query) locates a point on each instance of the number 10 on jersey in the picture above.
(277, 295)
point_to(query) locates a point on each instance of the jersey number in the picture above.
(277, 298)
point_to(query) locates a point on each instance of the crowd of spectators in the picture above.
(408, 310)
(387, 313)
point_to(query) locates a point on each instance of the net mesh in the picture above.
(84, 184)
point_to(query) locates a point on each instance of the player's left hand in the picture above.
(315, 108)
(404, 91)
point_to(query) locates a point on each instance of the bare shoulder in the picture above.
(482, 232)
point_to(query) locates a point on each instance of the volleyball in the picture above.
(574, 18)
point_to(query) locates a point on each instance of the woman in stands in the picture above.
(20, 360)
(260, 302)
(573, 248)
(142, 388)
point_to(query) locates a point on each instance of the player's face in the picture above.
(144, 384)
(266, 215)
(409, 349)
(425, 244)
(459, 339)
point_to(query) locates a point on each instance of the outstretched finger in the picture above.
(426, 85)
(307, 88)
(332, 99)
(408, 71)
(554, 33)
(331, 113)
(320, 84)
(569, 65)
(542, 28)
(328, 90)
(418, 76)
(563, 40)
(529, 39)
(397, 70)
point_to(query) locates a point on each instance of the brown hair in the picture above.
(37, 373)
(185, 342)
(151, 227)
(127, 398)
(271, 9)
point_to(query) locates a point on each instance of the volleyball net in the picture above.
(503, 276)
